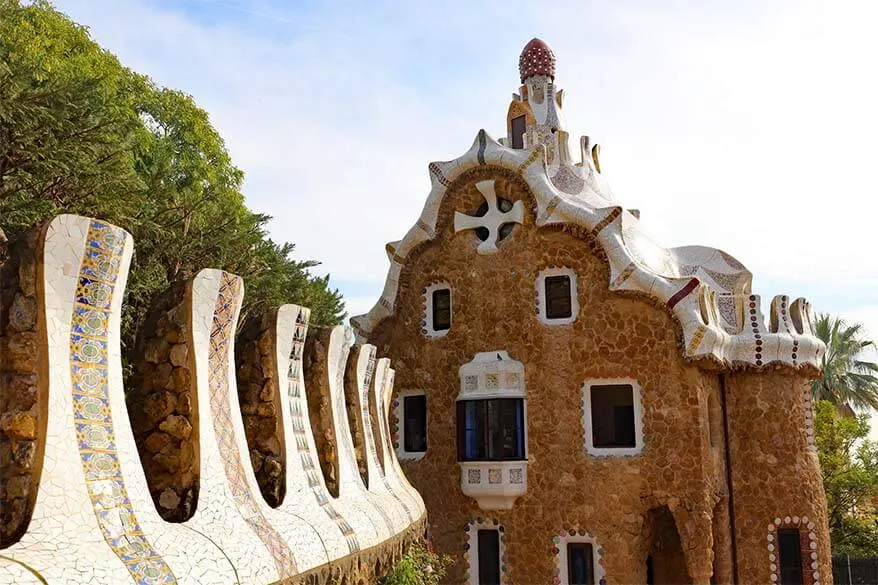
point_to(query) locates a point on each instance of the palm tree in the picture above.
(848, 381)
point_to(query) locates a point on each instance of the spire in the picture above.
(536, 59)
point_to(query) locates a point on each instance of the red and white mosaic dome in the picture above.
(536, 59)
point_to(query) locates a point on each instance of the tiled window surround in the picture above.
(808, 548)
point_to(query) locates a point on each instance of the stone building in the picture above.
(575, 402)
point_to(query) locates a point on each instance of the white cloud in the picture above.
(751, 128)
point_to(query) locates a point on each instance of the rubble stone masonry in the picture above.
(625, 503)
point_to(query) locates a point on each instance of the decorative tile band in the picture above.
(227, 441)
(92, 415)
(437, 172)
(367, 426)
(298, 408)
(807, 544)
(623, 276)
(683, 293)
(616, 212)
(530, 160)
(482, 144)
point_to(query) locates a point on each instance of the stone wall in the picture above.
(258, 393)
(22, 413)
(317, 372)
(776, 474)
(97, 518)
(163, 406)
(616, 335)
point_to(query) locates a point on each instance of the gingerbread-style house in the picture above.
(578, 404)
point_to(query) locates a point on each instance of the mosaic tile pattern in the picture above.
(218, 381)
(92, 415)
(808, 545)
(94, 520)
(302, 427)
(394, 478)
(638, 264)
(471, 550)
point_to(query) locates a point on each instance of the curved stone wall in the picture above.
(95, 515)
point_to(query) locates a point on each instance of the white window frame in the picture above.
(541, 295)
(473, 558)
(399, 412)
(588, 436)
(427, 320)
(563, 540)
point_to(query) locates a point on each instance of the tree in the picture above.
(80, 133)
(848, 381)
(849, 464)
(420, 565)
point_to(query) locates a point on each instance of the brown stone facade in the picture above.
(259, 396)
(316, 372)
(162, 406)
(671, 501)
(22, 404)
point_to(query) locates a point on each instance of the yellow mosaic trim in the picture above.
(530, 160)
(696, 340)
(92, 414)
(616, 212)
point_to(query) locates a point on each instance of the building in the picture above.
(576, 403)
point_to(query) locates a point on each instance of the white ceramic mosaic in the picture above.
(575, 193)
(94, 520)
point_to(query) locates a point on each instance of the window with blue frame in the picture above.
(490, 430)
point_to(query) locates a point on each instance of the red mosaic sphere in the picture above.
(536, 59)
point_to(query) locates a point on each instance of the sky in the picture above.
(748, 126)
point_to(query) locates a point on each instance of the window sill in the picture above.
(495, 485)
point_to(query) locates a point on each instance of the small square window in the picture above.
(519, 126)
(580, 563)
(441, 309)
(489, 557)
(558, 298)
(415, 423)
(612, 416)
(790, 549)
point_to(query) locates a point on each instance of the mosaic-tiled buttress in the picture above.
(218, 380)
(91, 407)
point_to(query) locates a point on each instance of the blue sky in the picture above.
(747, 126)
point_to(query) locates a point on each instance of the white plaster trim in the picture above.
(587, 421)
(541, 295)
(491, 374)
(472, 555)
(636, 262)
(399, 411)
(804, 525)
(561, 541)
(427, 320)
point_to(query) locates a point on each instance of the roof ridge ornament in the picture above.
(492, 220)
(536, 59)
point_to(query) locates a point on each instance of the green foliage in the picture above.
(80, 133)
(420, 565)
(847, 381)
(849, 464)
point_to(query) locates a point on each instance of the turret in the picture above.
(535, 117)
